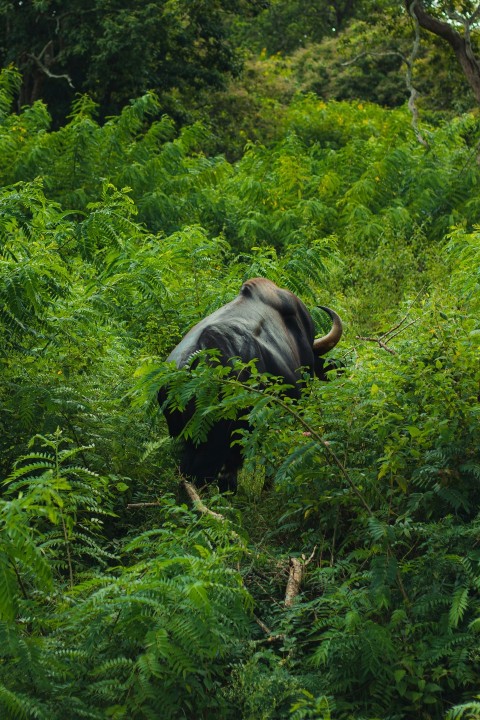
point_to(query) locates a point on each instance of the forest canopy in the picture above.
(199, 56)
(152, 158)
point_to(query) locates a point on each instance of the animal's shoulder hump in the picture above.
(267, 292)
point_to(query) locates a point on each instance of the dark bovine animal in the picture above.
(265, 323)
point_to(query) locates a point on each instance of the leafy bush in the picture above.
(123, 641)
(115, 599)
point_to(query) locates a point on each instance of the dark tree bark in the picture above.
(460, 44)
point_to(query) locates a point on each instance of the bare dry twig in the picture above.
(385, 338)
(198, 502)
(194, 497)
(270, 637)
(377, 340)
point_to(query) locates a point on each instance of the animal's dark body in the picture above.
(266, 323)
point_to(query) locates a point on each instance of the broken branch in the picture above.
(379, 342)
(295, 577)
(198, 503)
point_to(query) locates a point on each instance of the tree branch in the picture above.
(461, 46)
(43, 67)
(198, 503)
(370, 53)
(431, 23)
(467, 25)
(19, 578)
(379, 341)
(408, 79)
(389, 335)
(398, 328)
(270, 637)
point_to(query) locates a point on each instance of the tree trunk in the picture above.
(460, 45)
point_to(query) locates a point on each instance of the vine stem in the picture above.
(19, 578)
(64, 527)
(67, 548)
(408, 77)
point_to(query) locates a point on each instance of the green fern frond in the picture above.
(459, 605)
(19, 706)
(468, 710)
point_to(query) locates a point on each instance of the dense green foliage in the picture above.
(115, 237)
(212, 61)
(64, 47)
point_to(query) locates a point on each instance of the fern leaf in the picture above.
(459, 604)
(468, 711)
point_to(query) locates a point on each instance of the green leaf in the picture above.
(8, 588)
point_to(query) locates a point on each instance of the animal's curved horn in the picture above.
(328, 341)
